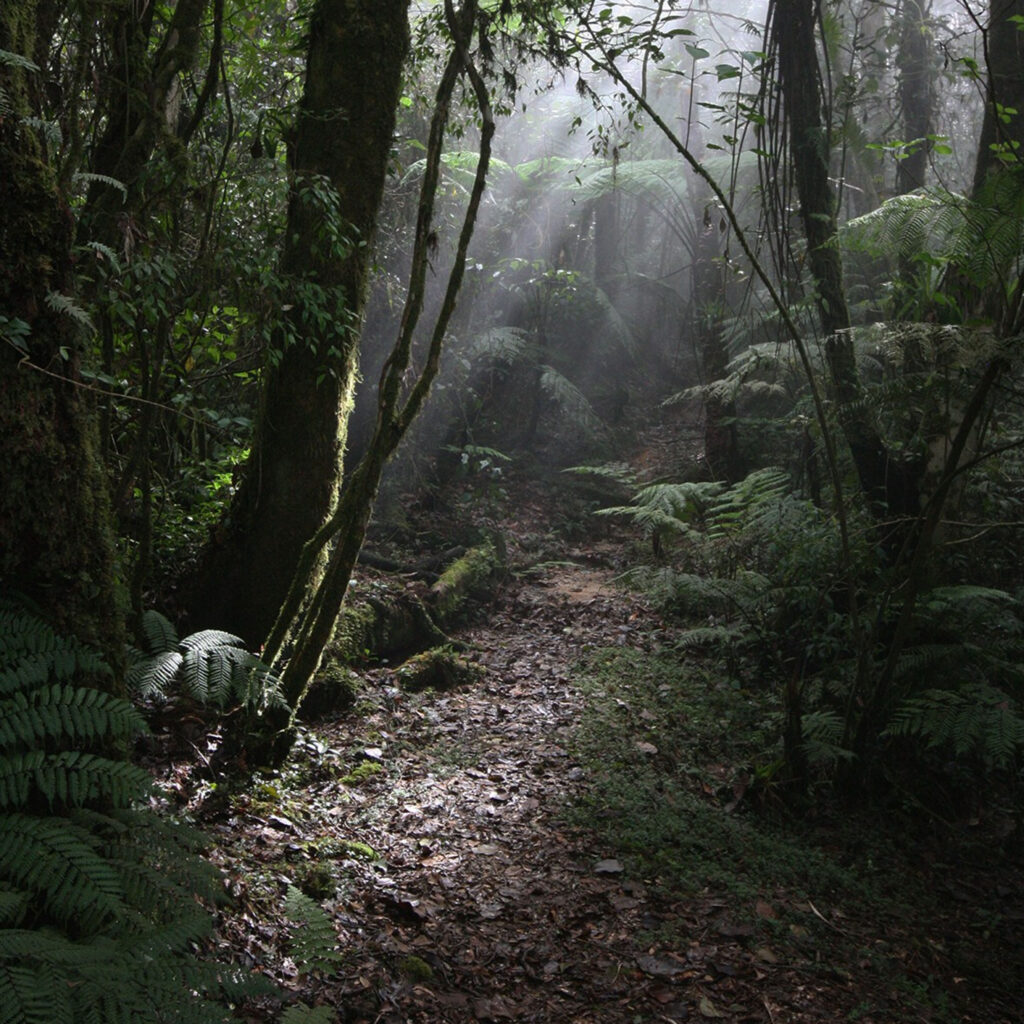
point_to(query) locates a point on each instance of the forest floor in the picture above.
(573, 838)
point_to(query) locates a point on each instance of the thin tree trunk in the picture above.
(800, 79)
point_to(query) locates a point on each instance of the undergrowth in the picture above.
(683, 789)
(103, 904)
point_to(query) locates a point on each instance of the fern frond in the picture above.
(314, 939)
(76, 714)
(69, 779)
(822, 733)
(153, 677)
(710, 636)
(976, 719)
(502, 344)
(88, 178)
(60, 303)
(570, 400)
(57, 862)
(617, 472)
(158, 632)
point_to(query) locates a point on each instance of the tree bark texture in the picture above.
(56, 545)
(915, 91)
(338, 161)
(1002, 131)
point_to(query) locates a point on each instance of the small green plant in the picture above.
(99, 915)
(314, 940)
(211, 667)
(362, 772)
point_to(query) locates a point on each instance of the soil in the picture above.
(432, 830)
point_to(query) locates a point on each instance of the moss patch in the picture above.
(440, 668)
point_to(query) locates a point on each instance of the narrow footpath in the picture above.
(432, 829)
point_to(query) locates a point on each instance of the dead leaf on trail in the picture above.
(486, 849)
(608, 867)
(708, 1009)
(657, 967)
(646, 748)
(765, 955)
(765, 910)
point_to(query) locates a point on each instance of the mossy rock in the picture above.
(440, 668)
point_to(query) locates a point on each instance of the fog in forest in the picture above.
(600, 259)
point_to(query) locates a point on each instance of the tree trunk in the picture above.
(915, 90)
(56, 545)
(721, 444)
(338, 161)
(1002, 131)
(138, 90)
(800, 79)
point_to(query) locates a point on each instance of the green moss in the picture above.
(464, 578)
(415, 969)
(316, 880)
(440, 668)
(357, 851)
(362, 772)
(354, 634)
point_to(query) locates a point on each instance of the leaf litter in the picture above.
(457, 890)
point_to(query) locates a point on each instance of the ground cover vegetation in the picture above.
(324, 328)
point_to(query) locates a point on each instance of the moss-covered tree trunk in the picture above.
(338, 162)
(55, 539)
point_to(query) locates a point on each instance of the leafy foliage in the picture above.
(99, 917)
(762, 572)
(211, 667)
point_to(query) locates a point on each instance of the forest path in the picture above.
(484, 904)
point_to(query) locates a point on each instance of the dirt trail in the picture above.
(484, 905)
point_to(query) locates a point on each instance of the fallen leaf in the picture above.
(608, 867)
(708, 1008)
(486, 849)
(657, 967)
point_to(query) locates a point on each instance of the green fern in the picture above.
(211, 666)
(314, 939)
(99, 915)
(976, 720)
(571, 402)
(60, 303)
